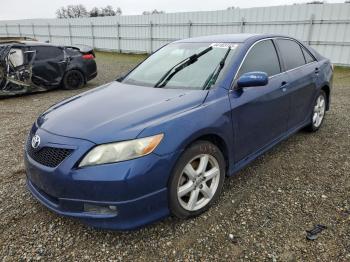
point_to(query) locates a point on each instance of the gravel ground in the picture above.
(262, 214)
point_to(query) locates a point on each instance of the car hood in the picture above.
(116, 111)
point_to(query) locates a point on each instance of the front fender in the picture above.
(213, 117)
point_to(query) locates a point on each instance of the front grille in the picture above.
(48, 156)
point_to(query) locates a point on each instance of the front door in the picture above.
(260, 114)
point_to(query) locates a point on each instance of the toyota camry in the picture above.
(160, 140)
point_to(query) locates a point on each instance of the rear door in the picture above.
(259, 114)
(302, 70)
(49, 65)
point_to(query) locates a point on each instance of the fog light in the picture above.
(103, 210)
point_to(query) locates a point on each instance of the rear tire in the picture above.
(197, 180)
(73, 79)
(318, 112)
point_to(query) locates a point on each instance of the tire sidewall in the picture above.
(200, 147)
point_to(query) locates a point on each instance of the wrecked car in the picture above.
(32, 66)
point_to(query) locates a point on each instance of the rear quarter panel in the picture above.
(87, 67)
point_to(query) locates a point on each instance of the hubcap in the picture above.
(319, 110)
(198, 182)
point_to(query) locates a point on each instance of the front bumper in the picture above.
(137, 188)
(131, 214)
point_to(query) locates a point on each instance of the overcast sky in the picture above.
(23, 9)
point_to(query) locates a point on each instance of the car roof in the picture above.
(25, 43)
(33, 43)
(227, 38)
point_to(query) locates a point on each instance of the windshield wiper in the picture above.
(179, 66)
(213, 76)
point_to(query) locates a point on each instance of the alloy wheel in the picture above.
(198, 182)
(319, 111)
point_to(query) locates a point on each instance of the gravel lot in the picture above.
(262, 214)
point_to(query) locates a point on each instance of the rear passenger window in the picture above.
(291, 53)
(47, 52)
(262, 57)
(308, 57)
(72, 52)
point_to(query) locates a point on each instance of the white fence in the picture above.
(325, 27)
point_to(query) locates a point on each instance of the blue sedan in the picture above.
(160, 140)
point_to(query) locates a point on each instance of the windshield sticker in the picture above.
(224, 45)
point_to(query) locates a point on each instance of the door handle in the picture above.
(284, 85)
(317, 70)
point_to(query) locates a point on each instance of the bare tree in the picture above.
(72, 11)
(315, 2)
(107, 11)
(95, 12)
(76, 11)
(61, 13)
(154, 12)
(118, 11)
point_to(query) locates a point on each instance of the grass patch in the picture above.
(341, 71)
(130, 58)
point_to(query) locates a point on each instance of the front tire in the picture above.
(197, 180)
(73, 79)
(318, 112)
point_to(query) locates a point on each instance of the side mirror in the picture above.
(252, 79)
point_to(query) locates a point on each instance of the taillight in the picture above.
(88, 56)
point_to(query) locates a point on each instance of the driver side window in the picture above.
(262, 57)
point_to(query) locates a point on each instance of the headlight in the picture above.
(120, 151)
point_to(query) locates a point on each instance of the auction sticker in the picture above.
(224, 45)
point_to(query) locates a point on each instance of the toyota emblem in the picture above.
(35, 141)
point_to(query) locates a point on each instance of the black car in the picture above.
(31, 66)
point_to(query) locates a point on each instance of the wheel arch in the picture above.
(78, 69)
(327, 90)
(215, 139)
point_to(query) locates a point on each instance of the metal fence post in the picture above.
(19, 30)
(92, 34)
(49, 32)
(151, 36)
(119, 38)
(7, 30)
(241, 29)
(311, 23)
(33, 31)
(189, 28)
(70, 33)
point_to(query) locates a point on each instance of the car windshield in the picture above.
(184, 66)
